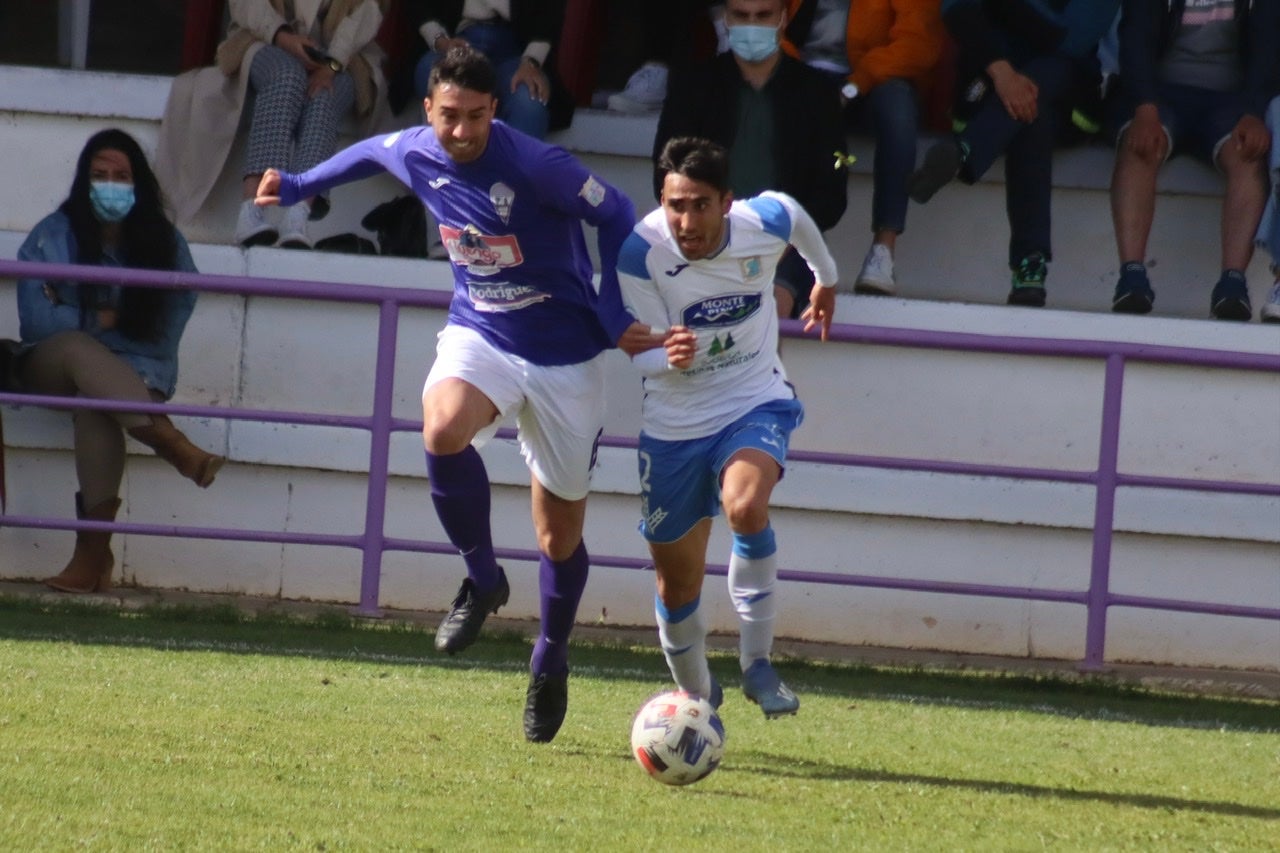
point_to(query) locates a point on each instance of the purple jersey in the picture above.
(511, 220)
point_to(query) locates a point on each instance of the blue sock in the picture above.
(560, 587)
(460, 492)
(1133, 270)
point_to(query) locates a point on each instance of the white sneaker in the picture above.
(1271, 308)
(252, 227)
(645, 90)
(294, 228)
(877, 276)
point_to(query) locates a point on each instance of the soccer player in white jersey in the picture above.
(718, 411)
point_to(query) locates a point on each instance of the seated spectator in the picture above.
(1269, 228)
(106, 341)
(1019, 72)
(780, 119)
(518, 37)
(1195, 79)
(880, 53)
(304, 67)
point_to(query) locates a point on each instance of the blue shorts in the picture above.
(1197, 121)
(680, 480)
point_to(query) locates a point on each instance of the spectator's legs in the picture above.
(897, 122)
(1133, 198)
(1242, 205)
(317, 131)
(279, 84)
(1028, 170)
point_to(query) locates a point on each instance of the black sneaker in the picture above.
(1028, 281)
(461, 627)
(1230, 299)
(545, 704)
(940, 166)
(1133, 291)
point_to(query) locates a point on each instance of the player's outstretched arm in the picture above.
(268, 189)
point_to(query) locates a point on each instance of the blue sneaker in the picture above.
(1230, 299)
(761, 685)
(1133, 291)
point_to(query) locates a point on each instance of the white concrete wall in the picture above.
(869, 400)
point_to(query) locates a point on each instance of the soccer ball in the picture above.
(677, 738)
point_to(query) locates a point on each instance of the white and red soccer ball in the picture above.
(677, 738)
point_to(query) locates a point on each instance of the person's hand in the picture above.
(1145, 135)
(107, 318)
(531, 76)
(268, 189)
(320, 79)
(638, 338)
(1017, 92)
(822, 307)
(1251, 138)
(296, 46)
(682, 346)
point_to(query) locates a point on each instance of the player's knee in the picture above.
(558, 545)
(746, 514)
(443, 436)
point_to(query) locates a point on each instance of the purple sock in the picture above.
(460, 492)
(560, 587)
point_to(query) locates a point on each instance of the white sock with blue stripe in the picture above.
(683, 635)
(753, 575)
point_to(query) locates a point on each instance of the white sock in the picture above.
(683, 635)
(753, 575)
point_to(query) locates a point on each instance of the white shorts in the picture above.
(559, 409)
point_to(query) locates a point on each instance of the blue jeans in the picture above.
(892, 111)
(499, 42)
(1028, 151)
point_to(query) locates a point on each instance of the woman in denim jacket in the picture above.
(108, 341)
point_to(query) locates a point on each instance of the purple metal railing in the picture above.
(1097, 598)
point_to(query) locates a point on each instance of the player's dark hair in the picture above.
(147, 237)
(465, 67)
(697, 159)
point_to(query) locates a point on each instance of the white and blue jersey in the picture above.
(511, 221)
(727, 301)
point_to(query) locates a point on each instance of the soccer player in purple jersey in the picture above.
(526, 334)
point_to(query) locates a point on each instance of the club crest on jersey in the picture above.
(481, 254)
(592, 191)
(727, 310)
(751, 267)
(502, 197)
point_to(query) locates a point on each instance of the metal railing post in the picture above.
(1099, 595)
(379, 456)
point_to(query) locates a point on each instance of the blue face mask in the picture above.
(751, 43)
(111, 201)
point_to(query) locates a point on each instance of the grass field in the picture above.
(208, 729)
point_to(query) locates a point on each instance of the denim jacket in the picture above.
(46, 308)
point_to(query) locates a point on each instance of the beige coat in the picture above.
(203, 112)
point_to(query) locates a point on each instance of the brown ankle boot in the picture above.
(90, 567)
(171, 445)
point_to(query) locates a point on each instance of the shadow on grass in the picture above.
(763, 763)
(337, 635)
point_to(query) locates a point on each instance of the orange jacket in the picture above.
(886, 39)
